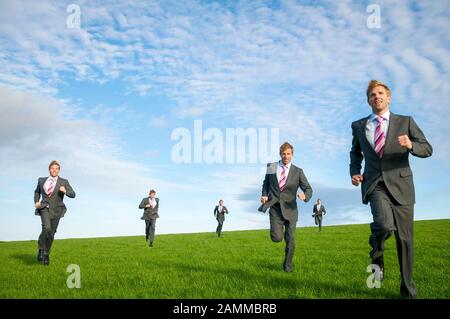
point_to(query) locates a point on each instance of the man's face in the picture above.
(379, 99)
(318, 202)
(221, 202)
(54, 170)
(152, 195)
(286, 156)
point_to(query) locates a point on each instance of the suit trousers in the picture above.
(150, 229)
(49, 227)
(219, 226)
(318, 220)
(389, 215)
(278, 225)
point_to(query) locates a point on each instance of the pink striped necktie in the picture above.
(51, 187)
(282, 182)
(380, 139)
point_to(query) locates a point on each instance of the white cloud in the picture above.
(37, 132)
(208, 58)
(313, 60)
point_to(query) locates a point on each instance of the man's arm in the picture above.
(324, 210)
(215, 211)
(69, 190)
(225, 210)
(356, 158)
(356, 155)
(266, 186)
(420, 145)
(142, 204)
(305, 187)
(37, 193)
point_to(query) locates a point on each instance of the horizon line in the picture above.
(206, 232)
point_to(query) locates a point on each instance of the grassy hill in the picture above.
(241, 264)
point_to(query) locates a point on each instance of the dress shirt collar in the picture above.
(280, 164)
(385, 116)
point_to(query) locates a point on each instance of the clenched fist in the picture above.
(356, 179)
(302, 196)
(404, 141)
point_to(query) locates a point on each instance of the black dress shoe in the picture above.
(40, 255)
(46, 260)
(151, 244)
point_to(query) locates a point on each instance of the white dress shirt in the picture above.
(280, 169)
(47, 183)
(372, 124)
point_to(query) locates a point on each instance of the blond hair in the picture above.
(286, 146)
(53, 163)
(374, 83)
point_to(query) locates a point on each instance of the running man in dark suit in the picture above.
(279, 193)
(219, 212)
(150, 205)
(318, 213)
(385, 140)
(48, 201)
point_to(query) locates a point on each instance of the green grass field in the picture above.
(241, 264)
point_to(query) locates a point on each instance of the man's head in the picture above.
(152, 193)
(221, 202)
(378, 96)
(53, 168)
(286, 153)
(318, 201)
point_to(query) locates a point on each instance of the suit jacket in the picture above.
(319, 212)
(288, 197)
(149, 212)
(54, 204)
(394, 164)
(220, 215)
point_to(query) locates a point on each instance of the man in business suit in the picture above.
(150, 205)
(318, 212)
(279, 193)
(385, 140)
(48, 201)
(219, 212)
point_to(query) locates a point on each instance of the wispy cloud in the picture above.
(310, 59)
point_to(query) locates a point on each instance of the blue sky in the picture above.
(105, 98)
